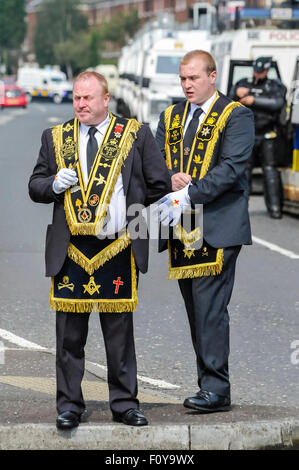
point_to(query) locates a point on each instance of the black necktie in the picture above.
(92, 148)
(191, 131)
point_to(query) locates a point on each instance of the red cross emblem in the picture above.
(175, 203)
(118, 283)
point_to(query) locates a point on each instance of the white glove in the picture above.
(65, 178)
(172, 206)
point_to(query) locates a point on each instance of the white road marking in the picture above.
(41, 107)
(53, 119)
(23, 343)
(273, 247)
(19, 341)
(141, 378)
(11, 114)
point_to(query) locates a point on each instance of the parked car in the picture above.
(12, 95)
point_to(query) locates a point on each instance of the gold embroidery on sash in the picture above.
(81, 219)
(198, 164)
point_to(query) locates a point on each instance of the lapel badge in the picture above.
(118, 130)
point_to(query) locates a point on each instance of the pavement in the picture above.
(28, 414)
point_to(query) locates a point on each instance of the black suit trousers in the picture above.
(71, 336)
(206, 300)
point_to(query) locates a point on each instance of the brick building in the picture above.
(99, 11)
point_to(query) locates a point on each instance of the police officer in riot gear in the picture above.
(266, 98)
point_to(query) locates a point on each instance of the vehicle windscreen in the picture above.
(246, 71)
(56, 79)
(168, 64)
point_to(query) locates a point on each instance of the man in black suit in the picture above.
(94, 168)
(206, 141)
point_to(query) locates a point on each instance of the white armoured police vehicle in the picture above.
(48, 82)
(276, 37)
(149, 66)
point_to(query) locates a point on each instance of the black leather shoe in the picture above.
(68, 420)
(275, 211)
(133, 417)
(208, 402)
(275, 214)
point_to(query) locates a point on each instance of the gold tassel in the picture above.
(77, 306)
(91, 265)
(206, 269)
(167, 116)
(219, 128)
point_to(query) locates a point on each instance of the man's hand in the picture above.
(247, 100)
(65, 178)
(242, 91)
(172, 206)
(180, 180)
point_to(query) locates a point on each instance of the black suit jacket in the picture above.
(145, 180)
(223, 191)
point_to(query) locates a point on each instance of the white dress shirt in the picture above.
(205, 107)
(117, 206)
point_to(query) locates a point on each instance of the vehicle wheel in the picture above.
(57, 99)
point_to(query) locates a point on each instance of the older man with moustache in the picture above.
(91, 166)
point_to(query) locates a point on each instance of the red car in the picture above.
(12, 95)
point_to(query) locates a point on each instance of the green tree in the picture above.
(94, 46)
(131, 23)
(75, 53)
(12, 28)
(120, 28)
(57, 22)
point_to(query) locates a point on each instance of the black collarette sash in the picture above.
(186, 258)
(86, 205)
